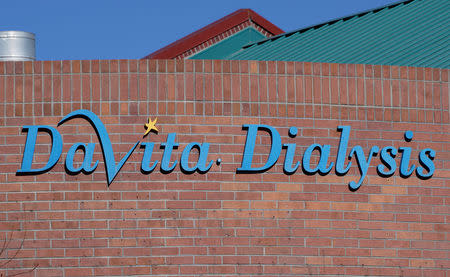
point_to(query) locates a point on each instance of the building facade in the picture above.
(195, 213)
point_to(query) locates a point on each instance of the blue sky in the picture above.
(112, 29)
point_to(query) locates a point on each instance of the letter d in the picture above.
(275, 150)
(30, 145)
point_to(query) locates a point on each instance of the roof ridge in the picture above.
(213, 29)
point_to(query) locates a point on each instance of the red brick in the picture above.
(222, 222)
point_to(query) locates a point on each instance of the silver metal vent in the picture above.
(17, 46)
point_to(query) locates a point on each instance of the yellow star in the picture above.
(150, 126)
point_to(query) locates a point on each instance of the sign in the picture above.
(386, 167)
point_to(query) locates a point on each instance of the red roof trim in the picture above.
(218, 27)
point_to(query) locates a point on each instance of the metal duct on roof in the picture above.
(17, 46)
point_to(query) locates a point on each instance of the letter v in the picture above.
(108, 154)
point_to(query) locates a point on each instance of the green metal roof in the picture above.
(409, 33)
(230, 45)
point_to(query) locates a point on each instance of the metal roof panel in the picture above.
(409, 33)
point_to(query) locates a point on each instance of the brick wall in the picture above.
(223, 223)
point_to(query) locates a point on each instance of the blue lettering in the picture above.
(387, 156)
(321, 167)
(86, 167)
(148, 151)
(247, 159)
(289, 159)
(108, 154)
(290, 152)
(168, 146)
(342, 151)
(30, 144)
(426, 157)
(405, 170)
(363, 165)
(201, 166)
